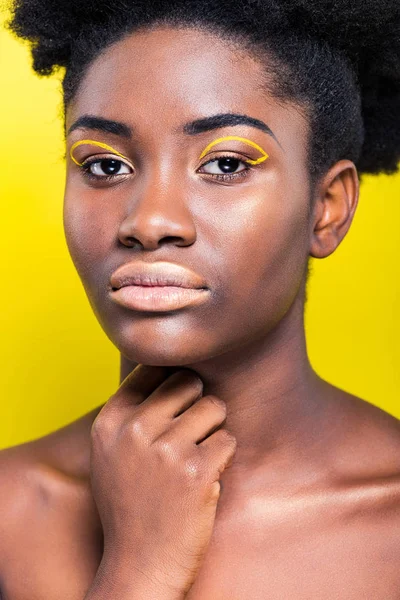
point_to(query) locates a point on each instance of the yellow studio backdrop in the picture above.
(57, 363)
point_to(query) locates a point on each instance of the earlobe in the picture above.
(334, 208)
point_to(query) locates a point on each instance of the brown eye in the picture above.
(225, 164)
(106, 167)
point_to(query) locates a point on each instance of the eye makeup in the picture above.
(241, 139)
(93, 143)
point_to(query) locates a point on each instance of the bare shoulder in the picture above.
(44, 485)
(50, 533)
(374, 431)
(367, 451)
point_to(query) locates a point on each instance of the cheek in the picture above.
(89, 233)
(268, 254)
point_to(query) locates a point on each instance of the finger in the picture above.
(179, 391)
(200, 419)
(138, 385)
(219, 448)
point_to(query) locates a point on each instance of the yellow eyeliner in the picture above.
(240, 139)
(93, 143)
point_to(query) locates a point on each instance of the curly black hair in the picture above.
(338, 59)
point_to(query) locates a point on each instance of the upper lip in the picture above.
(155, 274)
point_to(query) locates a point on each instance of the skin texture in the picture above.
(310, 504)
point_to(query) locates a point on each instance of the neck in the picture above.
(274, 398)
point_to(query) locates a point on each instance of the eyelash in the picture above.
(85, 168)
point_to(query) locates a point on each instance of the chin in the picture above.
(163, 358)
(165, 345)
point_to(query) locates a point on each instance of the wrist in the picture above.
(119, 577)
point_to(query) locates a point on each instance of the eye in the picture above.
(107, 166)
(104, 168)
(224, 165)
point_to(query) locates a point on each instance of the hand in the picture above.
(157, 455)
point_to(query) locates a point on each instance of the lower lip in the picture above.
(157, 298)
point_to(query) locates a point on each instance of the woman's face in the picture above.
(242, 227)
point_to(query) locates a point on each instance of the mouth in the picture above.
(154, 282)
(159, 286)
(160, 298)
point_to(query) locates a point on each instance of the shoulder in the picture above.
(370, 432)
(50, 533)
(30, 487)
(43, 484)
(23, 489)
(366, 453)
(373, 480)
(375, 433)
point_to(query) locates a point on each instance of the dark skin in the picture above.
(309, 506)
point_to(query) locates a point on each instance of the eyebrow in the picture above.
(101, 124)
(191, 128)
(226, 120)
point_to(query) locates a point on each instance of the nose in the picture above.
(158, 214)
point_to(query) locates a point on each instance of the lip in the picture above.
(160, 286)
(157, 298)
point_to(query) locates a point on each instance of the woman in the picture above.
(212, 147)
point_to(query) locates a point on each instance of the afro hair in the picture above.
(340, 60)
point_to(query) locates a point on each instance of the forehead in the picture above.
(158, 79)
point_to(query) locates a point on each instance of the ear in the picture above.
(335, 203)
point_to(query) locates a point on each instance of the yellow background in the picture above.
(56, 362)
